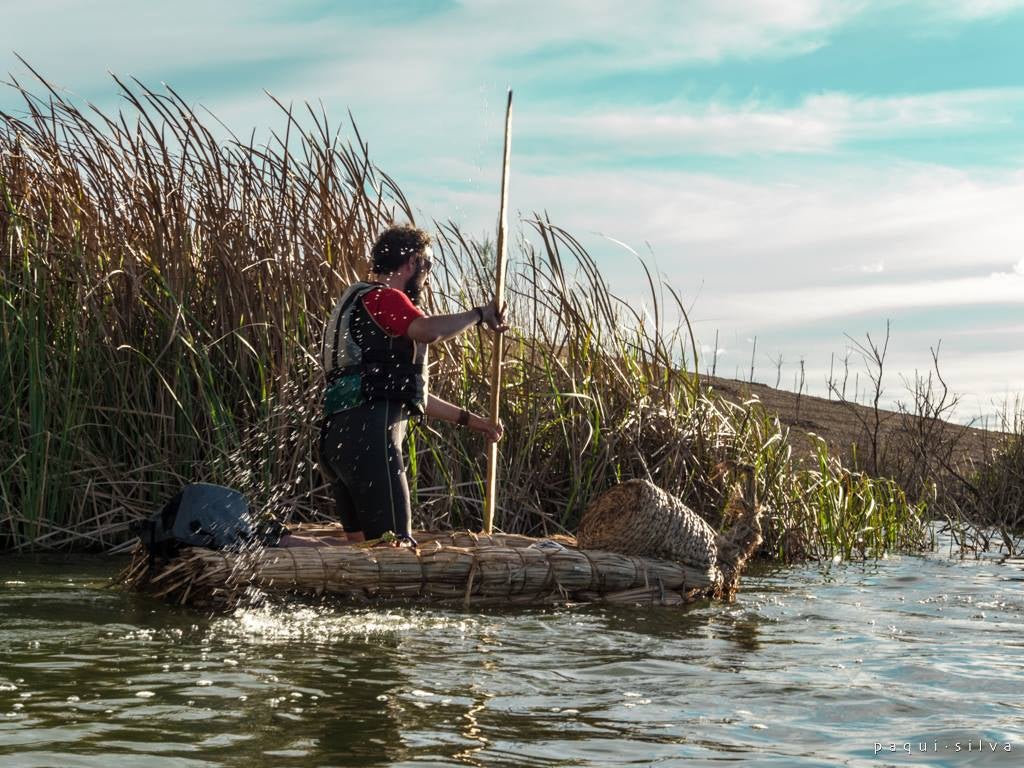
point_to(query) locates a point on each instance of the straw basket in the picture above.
(638, 518)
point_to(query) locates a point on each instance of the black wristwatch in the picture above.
(479, 314)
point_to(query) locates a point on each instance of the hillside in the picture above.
(847, 427)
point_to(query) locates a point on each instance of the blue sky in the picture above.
(798, 169)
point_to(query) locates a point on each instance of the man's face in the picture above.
(419, 274)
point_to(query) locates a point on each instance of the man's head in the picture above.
(405, 251)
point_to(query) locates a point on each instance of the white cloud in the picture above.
(76, 42)
(821, 123)
(914, 220)
(968, 10)
(654, 33)
(864, 268)
(813, 303)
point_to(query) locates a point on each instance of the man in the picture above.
(375, 357)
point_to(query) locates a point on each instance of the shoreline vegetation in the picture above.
(162, 294)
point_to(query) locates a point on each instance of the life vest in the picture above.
(363, 362)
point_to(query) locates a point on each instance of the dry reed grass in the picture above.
(162, 293)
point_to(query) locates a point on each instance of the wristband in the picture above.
(463, 418)
(479, 314)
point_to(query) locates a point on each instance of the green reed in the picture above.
(162, 297)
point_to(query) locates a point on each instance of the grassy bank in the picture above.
(162, 296)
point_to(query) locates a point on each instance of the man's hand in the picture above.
(493, 318)
(492, 432)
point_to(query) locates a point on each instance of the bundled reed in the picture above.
(490, 574)
(637, 517)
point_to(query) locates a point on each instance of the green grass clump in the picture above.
(162, 296)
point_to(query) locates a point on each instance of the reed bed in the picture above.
(162, 295)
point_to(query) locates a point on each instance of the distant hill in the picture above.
(842, 425)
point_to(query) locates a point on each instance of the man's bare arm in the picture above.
(437, 408)
(428, 330)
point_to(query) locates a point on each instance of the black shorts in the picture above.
(361, 454)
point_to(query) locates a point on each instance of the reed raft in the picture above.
(471, 569)
(457, 569)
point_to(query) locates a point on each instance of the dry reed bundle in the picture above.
(487, 574)
(638, 518)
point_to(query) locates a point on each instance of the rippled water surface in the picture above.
(810, 666)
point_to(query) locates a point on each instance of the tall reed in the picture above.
(162, 297)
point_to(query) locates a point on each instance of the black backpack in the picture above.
(208, 516)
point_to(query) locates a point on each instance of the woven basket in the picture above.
(638, 518)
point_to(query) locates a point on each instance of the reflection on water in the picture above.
(808, 667)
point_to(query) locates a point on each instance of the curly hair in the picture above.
(396, 245)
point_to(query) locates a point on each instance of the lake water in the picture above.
(810, 666)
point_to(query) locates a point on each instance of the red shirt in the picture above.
(391, 309)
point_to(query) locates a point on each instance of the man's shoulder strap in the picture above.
(357, 291)
(348, 298)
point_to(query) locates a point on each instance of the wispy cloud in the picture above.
(822, 122)
(810, 303)
(970, 9)
(798, 226)
(455, 42)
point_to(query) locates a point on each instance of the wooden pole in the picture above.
(490, 503)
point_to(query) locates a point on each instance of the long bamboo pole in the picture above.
(498, 349)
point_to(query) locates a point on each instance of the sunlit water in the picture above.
(810, 666)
